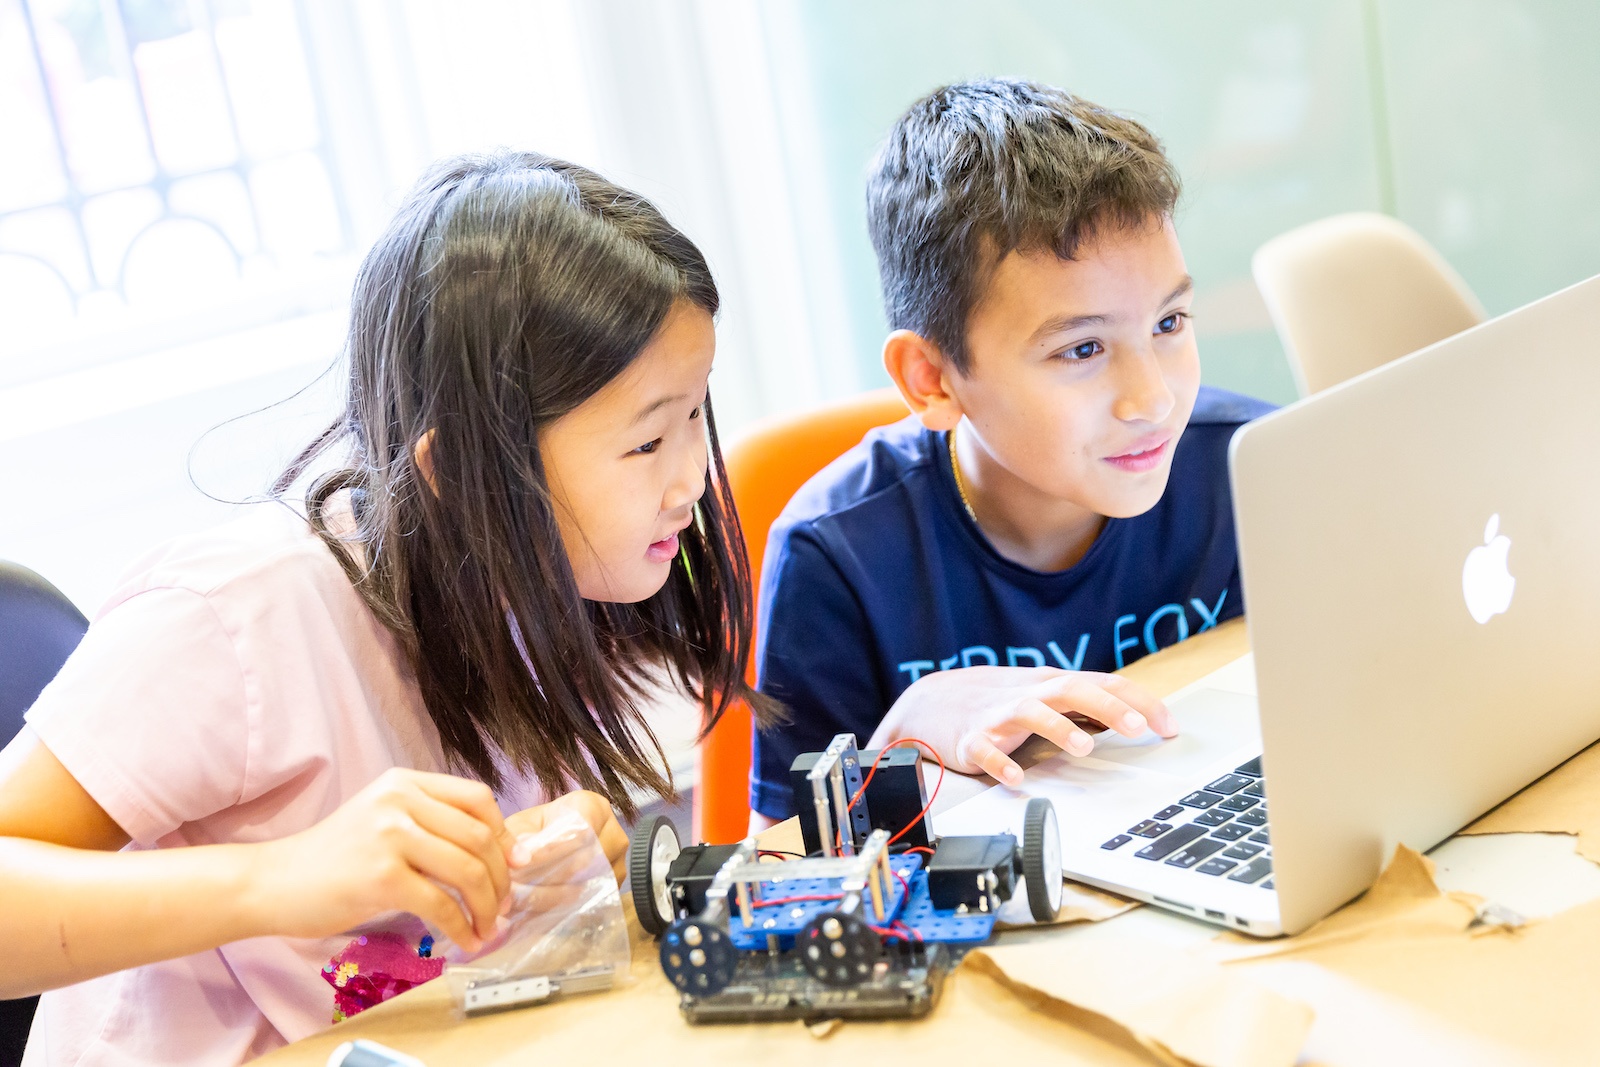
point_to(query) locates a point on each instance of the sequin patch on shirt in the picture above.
(375, 967)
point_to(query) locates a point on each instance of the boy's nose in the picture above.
(1142, 391)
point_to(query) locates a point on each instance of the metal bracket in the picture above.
(838, 772)
(867, 873)
(522, 990)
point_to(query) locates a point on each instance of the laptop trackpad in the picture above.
(1211, 723)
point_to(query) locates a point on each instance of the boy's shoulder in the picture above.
(885, 460)
(1221, 407)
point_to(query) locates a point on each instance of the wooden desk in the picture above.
(978, 1018)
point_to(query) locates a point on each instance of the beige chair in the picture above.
(1352, 292)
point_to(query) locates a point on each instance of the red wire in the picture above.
(936, 786)
(839, 836)
(795, 900)
(895, 929)
(920, 848)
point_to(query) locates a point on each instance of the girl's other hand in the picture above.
(399, 844)
(974, 717)
(596, 811)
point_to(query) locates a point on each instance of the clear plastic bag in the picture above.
(564, 933)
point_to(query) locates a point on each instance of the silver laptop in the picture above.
(1421, 561)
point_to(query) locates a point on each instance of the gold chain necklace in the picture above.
(961, 485)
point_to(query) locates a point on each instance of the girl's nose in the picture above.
(689, 483)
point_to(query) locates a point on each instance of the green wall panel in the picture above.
(1495, 118)
(1475, 121)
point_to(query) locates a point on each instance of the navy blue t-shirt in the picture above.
(875, 575)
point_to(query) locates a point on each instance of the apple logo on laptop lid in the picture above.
(1486, 581)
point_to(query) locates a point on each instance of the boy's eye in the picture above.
(1172, 323)
(646, 449)
(695, 414)
(1078, 353)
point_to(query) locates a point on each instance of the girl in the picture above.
(255, 747)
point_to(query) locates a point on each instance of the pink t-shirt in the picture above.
(234, 689)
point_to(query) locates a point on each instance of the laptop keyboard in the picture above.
(1220, 831)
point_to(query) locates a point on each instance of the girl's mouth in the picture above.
(662, 551)
(1139, 460)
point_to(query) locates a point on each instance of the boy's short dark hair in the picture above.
(975, 170)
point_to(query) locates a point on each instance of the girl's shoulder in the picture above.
(268, 555)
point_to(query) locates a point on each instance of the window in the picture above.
(165, 157)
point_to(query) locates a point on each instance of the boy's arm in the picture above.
(818, 657)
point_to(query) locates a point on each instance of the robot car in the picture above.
(865, 925)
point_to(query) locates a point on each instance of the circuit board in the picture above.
(797, 901)
(767, 988)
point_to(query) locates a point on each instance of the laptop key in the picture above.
(1250, 767)
(1200, 799)
(1253, 817)
(1253, 871)
(1162, 847)
(1256, 788)
(1214, 817)
(1149, 828)
(1262, 836)
(1117, 842)
(1217, 865)
(1267, 884)
(1230, 783)
(1168, 812)
(1231, 832)
(1194, 853)
(1242, 851)
(1239, 803)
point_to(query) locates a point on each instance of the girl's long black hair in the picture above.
(509, 289)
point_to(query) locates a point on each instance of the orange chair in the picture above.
(766, 465)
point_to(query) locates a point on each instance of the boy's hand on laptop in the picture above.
(974, 717)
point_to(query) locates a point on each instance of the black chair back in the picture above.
(39, 628)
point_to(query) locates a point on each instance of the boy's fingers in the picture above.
(1086, 695)
(466, 833)
(986, 755)
(1054, 727)
(1142, 700)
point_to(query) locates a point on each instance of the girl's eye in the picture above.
(646, 449)
(1172, 323)
(1081, 352)
(695, 414)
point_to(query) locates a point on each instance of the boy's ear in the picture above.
(921, 374)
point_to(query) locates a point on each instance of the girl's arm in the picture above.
(74, 908)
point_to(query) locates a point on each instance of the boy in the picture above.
(1058, 503)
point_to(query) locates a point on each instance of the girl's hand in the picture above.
(397, 845)
(596, 811)
(975, 716)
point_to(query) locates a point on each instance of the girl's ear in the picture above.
(920, 373)
(422, 454)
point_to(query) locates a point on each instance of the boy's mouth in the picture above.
(1146, 455)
